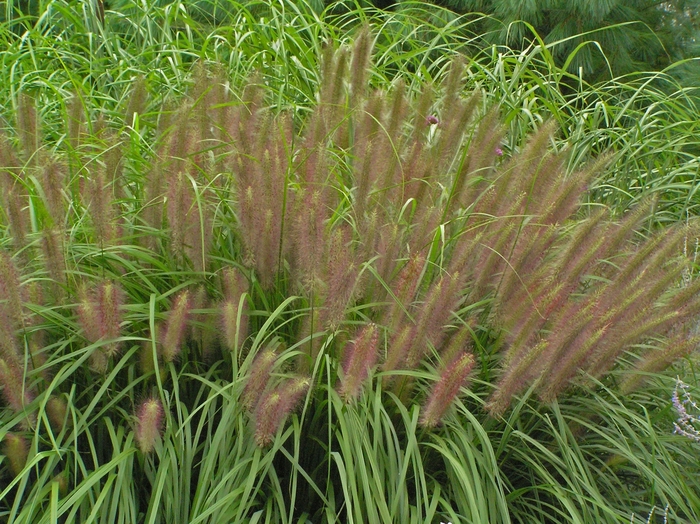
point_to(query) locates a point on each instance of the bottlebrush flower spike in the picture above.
(17, 216)
(174, 330)
(88, 317)
(273, 408)
(52, 247)
(360, 357)
(453, 377)
(28, 127)
(149, 424)
(10, 289)
(14, 389)
(259, 377)
(57, 409)
(99, 314)
(16, 450)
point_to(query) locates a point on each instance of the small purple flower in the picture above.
(686, 424)
(499, 151)
(432, 120)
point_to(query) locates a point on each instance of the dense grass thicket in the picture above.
(338, 265)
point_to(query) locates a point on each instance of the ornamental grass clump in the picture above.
(294, 294)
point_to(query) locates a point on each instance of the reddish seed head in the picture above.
(432, 120)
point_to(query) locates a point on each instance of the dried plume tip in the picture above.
(149, 424)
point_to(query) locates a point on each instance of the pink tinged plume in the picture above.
(258, 378)
(453, 377)
(360, 357)
(273, 408)
(10, 289)
(174, 330)
(100, 316)
(149, 424)
(16, 394)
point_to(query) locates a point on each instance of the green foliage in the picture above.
(265, 300)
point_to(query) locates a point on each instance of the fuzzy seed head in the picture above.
(52, 246)
(109, 300)
(149, 424)
(10, 289)
(16, 449)
(88, 317)
(16, 394)
(57, 409)
(453, 377)
(273, 408)
(18, 217)
(259, 378)
(360, 357)
(175, 327)
(99, 313)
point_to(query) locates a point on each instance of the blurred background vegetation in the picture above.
(615, 37)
